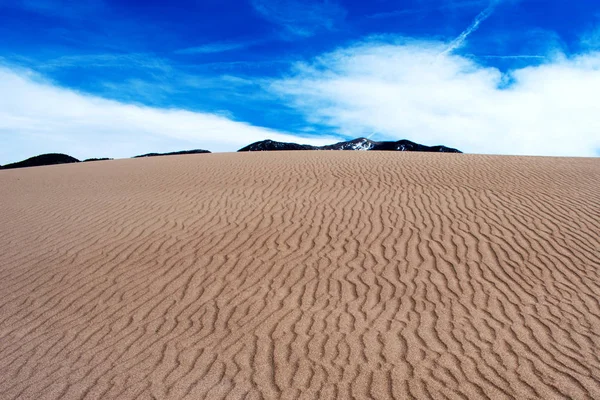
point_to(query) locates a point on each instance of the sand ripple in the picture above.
(302, 275)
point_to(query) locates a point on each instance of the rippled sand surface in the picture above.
(350, 275)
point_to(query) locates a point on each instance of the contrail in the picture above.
(456, 43)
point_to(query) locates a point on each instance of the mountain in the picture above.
(43, 159)
(356, 144)
(175, 153)
(271, 145)
(264, 145)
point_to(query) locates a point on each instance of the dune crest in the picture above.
(366, 275)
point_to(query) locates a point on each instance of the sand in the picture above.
(351, 275)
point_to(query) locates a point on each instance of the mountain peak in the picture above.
(361, 143)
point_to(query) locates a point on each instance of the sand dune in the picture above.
(365, 275)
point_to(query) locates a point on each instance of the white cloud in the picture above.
(300, 18)
(38, 117)
(408, 90)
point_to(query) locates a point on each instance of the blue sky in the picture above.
(101, 78)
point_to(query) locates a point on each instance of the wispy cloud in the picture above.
(58, 8)
(40, 117)
(410, 91)
(482, 16)
(146, 79)
(218, 47)
(105, 60)
(423, 10)
(516, 57)
(301, 18)
(591, 39)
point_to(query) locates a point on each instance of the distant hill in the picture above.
(58, 158)
(43, 159)
(263, 145)
(175, 153)
(356, 144)
(271, 145)
(97, 159)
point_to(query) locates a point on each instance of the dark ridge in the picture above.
(97, 159)
(43, 159)
(355, 144)
(271, 145)
(175, 153)
(400, 145)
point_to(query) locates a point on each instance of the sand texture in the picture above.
(350, 275)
